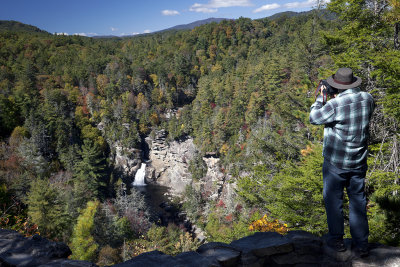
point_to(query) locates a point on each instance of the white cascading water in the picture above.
(139, 176)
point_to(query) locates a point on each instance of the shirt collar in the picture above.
(349, 91)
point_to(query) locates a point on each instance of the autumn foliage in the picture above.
(266, 224)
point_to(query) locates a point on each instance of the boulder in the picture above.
(17, 250)
(264, 244)
(195, 259)
(224, 254)
(150, 259)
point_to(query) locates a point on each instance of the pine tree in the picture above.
(47, 209)
(83, 245)
(294, 195)
(89, 174)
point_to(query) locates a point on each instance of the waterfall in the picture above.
(139, 176)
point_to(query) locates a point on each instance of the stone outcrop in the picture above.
(16, 250)
(216, 184)
(296, 248)
(170, 162)
(169, 166)
(127, 160)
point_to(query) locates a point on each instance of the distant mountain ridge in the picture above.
(194, 24)
(16, 26)
(288, 14)
(180, 27)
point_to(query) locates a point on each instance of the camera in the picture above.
(328, 91)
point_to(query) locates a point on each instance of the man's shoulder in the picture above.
(350, 99)
(367, 95)
(354, 95)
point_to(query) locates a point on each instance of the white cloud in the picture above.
(229, 3)
(129, 33)
(202, 9)
(168, 12)
(113, 29)
(267, 7)
(147, 31)
(291, 5)
(308, 3)
(213, 5)
(88, 34)
(61, 33)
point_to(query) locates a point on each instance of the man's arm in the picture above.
(321, 114)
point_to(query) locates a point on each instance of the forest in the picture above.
(241, 88)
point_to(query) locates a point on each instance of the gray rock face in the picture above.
(223, 253)
(213, 182)
(127, 160)
(170, 162)
(257, 248)
(16, 250)
(170, 167)
(297, 248)
(150, 259)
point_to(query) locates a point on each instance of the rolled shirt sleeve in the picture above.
(321, 114)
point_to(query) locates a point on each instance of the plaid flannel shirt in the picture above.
(346, 119)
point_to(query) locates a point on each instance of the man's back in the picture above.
(346, 120)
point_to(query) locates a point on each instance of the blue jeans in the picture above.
(335, 180)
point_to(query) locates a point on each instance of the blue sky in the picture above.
(129, 17)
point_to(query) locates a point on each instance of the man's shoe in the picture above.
(337, 244)
(361, 251)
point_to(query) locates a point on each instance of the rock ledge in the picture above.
(297, 248)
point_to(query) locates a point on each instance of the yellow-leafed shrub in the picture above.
(268, 225)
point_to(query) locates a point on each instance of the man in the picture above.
(346, 118)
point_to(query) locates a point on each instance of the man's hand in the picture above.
(323, 87)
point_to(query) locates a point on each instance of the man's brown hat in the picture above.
(344, 79)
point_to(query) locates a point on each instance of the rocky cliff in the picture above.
(297, 248)
(169, 162)
(169, 166)
(127, 160)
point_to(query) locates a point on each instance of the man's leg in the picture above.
(333, 196)
(357, 209)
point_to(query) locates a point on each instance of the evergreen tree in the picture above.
(197, 167)
(89, 174)
(293, 195)
(83, 245)
(9, 115)
(47, 209)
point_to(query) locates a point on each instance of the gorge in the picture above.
(166, 172)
